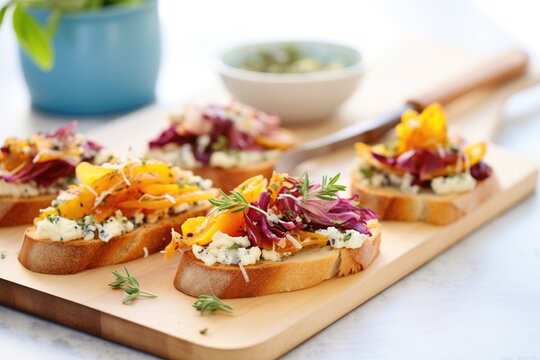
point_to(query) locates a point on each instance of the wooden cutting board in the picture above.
(263, 327)
(268, 326)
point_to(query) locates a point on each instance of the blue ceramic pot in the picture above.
(106, 61)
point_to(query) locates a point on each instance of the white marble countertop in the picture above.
(480, 299)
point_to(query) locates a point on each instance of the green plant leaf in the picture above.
(33, 38)
(3, 12)
(53, 21)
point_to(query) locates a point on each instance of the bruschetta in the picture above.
(265, 238)
(423, 175)
(33, 170)
(226, 144)
(118, 212)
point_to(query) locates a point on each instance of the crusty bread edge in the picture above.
(391, 204)
(194, 278)
(69, 257)
(22, 211)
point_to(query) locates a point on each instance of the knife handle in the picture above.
(503, 68)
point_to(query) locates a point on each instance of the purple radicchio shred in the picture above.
(46, 172)
(43, 173)
(222, 127)
(309, 214)
(168, 136)
(421, 163)
(260, 228)
(481, 171)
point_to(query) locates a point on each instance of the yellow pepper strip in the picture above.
(160, 172)
(191, 225)
(174, 245)
(164, 202)
(172, 189)
(74, 208)
(308, 238)
(280, 140)
(88, 173)
(225, 221)
(425, 130)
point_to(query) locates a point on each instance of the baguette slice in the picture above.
(22, 211)
(228, 179)
(57, 257)
(391, 204)
(305, 269)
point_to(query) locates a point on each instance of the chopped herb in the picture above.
(222, 143)
(3, 254)
(130, 285)
(203, 331)
(234, 246)
(211, 303)
(454, 148)
(368, 172)
(347, 237)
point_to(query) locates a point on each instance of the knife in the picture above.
(501, 69)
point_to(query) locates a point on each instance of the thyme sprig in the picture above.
(235, 202)
(327, 191)
(210, 303)
(130, 285)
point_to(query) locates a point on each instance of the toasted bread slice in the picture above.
(57, 257)
(304, 269)
(391, 204)
(228, 179)
(21, 211)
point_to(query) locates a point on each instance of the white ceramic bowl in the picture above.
(296, 98)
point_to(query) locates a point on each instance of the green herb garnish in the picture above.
(3, 254)
(235, 202)
(234, 246)
(203, 331)
(211, 303)
(368, 172)
(130, 285)
(327, 191)
(347, 237)
(222, 143)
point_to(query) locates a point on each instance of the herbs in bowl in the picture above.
(300, 81)
(289, 59)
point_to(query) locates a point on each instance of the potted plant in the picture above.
(87, 57)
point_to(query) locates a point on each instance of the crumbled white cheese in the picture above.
(29, 189)
(270, 255)
(227, 250)
(113, 227)
(177, 155)
(21, 190)
(406, 184)
(457, 183)
(58, 228)
(350, 239)
(372, 176)
(223, 159)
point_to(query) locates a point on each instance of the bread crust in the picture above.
(69, 257)
(228, 179)
(308, 268)
(22, 211)
(391, 204)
